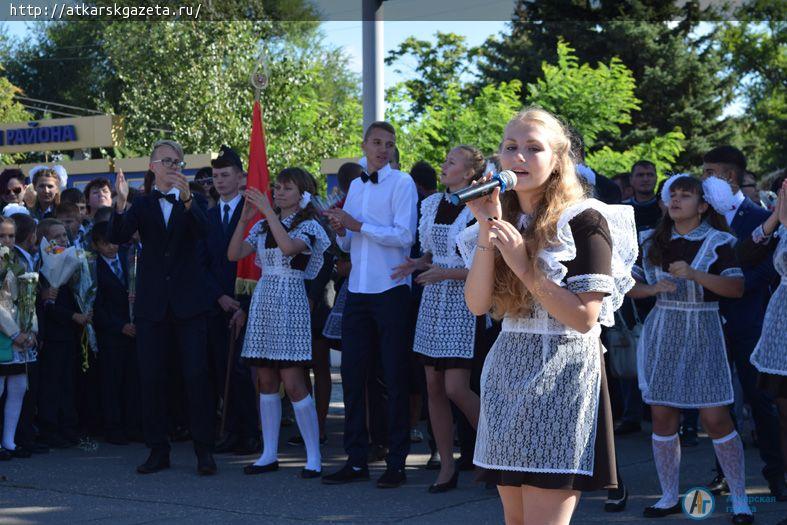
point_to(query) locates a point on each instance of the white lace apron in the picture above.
(540, 383)
(445, 326)
(770, 354)
(681, 355)
(279, 324)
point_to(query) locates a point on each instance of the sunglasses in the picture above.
(15, 191)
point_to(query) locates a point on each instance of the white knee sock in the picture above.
(729, 450)
(306, 416)
(270, 416)
(16, 386)
(666, 454)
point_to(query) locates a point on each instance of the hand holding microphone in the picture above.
(483, 196)
(505, 180)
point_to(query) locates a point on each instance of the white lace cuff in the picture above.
(732, 272)
(758, 235)
(592, 282)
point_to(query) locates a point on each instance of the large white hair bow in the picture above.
(718, 193)
(306, 198)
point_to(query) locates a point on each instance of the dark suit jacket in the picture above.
(606, 190)
(171, 267)
(744, 316)
(221, 272)
(110, 312)
(57, 325)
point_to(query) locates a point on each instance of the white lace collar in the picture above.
(697, 234)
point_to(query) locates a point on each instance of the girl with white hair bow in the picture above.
(688, 263)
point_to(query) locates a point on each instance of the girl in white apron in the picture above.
(445, 331)
(770, 354)
(688, 262)
(555, 265)
(289, 245)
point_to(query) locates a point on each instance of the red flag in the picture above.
(258, 177)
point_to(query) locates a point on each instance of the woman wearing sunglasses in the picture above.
(12, 187)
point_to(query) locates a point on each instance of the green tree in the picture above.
(679, 73)
(452, 120)
(756, 47)
(437, 66)
(10, 109)
(190, 81)
(592, 100)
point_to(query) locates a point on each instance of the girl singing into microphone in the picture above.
(554, 265)
(445, 331)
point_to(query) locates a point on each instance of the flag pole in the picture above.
(247, 271)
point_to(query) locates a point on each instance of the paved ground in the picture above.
(100, 486)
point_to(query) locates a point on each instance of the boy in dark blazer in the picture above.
(743, 317)
(116, 335)
(242, 436)
(60, 328)
(171, 299)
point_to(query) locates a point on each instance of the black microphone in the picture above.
(505, 180)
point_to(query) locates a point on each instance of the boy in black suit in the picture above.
(241, 419)
(116, 341)
(171, 300)
(61, 325)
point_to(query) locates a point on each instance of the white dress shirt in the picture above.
(232, 203)
(166, 206)
(389, 216)
(31, 264)
(738, 199)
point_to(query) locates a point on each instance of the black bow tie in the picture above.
(365, 177)
(169, 196)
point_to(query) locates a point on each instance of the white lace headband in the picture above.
(718, 193)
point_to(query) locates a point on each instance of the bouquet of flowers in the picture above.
(84, 286)
(28, 287)
(58, 264)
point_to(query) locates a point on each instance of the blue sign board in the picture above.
(37, 135)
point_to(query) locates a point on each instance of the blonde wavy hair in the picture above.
(561, 190)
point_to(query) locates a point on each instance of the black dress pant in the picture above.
(376, 321)
(190, 337)
(241, 405)
(56, 393)
(119, 386)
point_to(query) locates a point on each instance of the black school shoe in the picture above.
(261, 469)
(616, 499)
(347, 474)
(157, 460)
(391, 478)
(656, 512)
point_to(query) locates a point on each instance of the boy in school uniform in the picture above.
(116, 337)
(61, 325)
